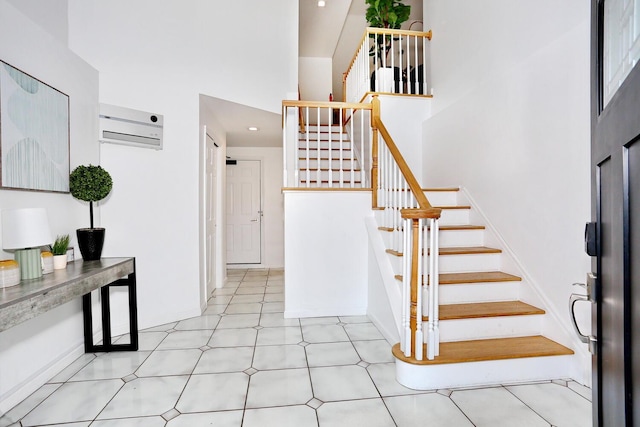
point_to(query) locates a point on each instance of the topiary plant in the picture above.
(90, 184)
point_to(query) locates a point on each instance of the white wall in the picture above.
(326, 253)
(51, 15)
(315, 79)
(32, 352)
(511, 125)
(272, 200)
(160, 56)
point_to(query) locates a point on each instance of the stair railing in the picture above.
(388, 61)
(326, 144)
(406, 213)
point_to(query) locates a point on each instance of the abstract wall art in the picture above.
(34, 133)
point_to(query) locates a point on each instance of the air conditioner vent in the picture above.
(119, 125)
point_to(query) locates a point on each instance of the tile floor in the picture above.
(242, 364)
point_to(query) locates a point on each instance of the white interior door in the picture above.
(244, 216)
(210, 213)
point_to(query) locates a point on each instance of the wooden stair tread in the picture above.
(442, 189)
(473, 277)
(452, 207)
(490, 349)
(478, 310)
(477, 277)
(468, 250)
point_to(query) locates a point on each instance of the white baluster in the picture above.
(406, 289)
(419, 333)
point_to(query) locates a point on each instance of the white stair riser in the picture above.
(488, 327)
(335, 144)
(465, 263)
(324, 164)
(479, 292)
(453, 238)
(442, 198)
(312, 154)
(323, 128)
(313, 138)
(454, 217)
(482, 373)
(336, 175)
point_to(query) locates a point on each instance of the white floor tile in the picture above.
(233, 337)
(582, 390)
(73, 402)
(279, 357)
(279, 336)
(131, 422)
(217, 419)
(342, 383)
(274, 288)
(251, 290)
(112, 365)
(495, 407)
(214, 392)
(27, 405)
(330, 354)
(439, 410)
(279, 388)
(239, 321)
(324, 333)
(363, 331)
(384, 377)
(374, 351)
(144, 397)
(354, 319)
(147, 341)
(215, 309)
(274, 297)
(73, 368)
(356, 413)
(559, 405)
(201, 322)
(170, 362)
(185, 339)
(243, 299)
(271, 320)
(161, 328)
(219, 300)
(273, 307)
(244, 308)
(224, 291)
(288, 416)
(330, 320)
(218, 360)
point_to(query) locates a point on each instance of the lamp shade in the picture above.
(25, 228)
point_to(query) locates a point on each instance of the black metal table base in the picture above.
(107, 345)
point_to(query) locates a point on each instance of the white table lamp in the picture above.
(25, 230)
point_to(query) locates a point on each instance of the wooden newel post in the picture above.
(375, 116)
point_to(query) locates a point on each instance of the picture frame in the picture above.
(34, 133)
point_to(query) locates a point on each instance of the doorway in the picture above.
(244, 212)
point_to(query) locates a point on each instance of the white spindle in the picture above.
(419, 334)
(307, 174)
(406, 290)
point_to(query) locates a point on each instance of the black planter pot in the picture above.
(90, 241)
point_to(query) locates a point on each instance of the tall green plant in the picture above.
(385, 14)
(90, 184)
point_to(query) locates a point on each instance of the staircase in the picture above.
(488, 336)
(326, 158)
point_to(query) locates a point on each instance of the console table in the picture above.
(36, 296)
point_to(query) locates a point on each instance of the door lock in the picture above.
(590, 287)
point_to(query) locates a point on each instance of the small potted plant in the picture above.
(90, 184)
(59, 250)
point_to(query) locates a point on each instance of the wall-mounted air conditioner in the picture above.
(119, 125)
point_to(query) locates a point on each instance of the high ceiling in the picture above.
(333, 31)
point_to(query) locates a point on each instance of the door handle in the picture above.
(254, 220)
(589, 297)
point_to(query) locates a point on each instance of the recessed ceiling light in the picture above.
(321, 3)
(253, 128)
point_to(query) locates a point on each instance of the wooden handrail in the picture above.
(425, 207)
(326, 104)
(300, 116)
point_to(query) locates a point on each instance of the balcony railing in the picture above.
(388, 61)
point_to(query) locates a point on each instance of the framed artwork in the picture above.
(34, 133)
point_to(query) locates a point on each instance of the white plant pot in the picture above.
(59, 262)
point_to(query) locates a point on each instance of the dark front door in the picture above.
(615, 169)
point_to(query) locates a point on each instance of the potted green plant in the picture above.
(90, 184)
(384, 14)
(59, 250)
